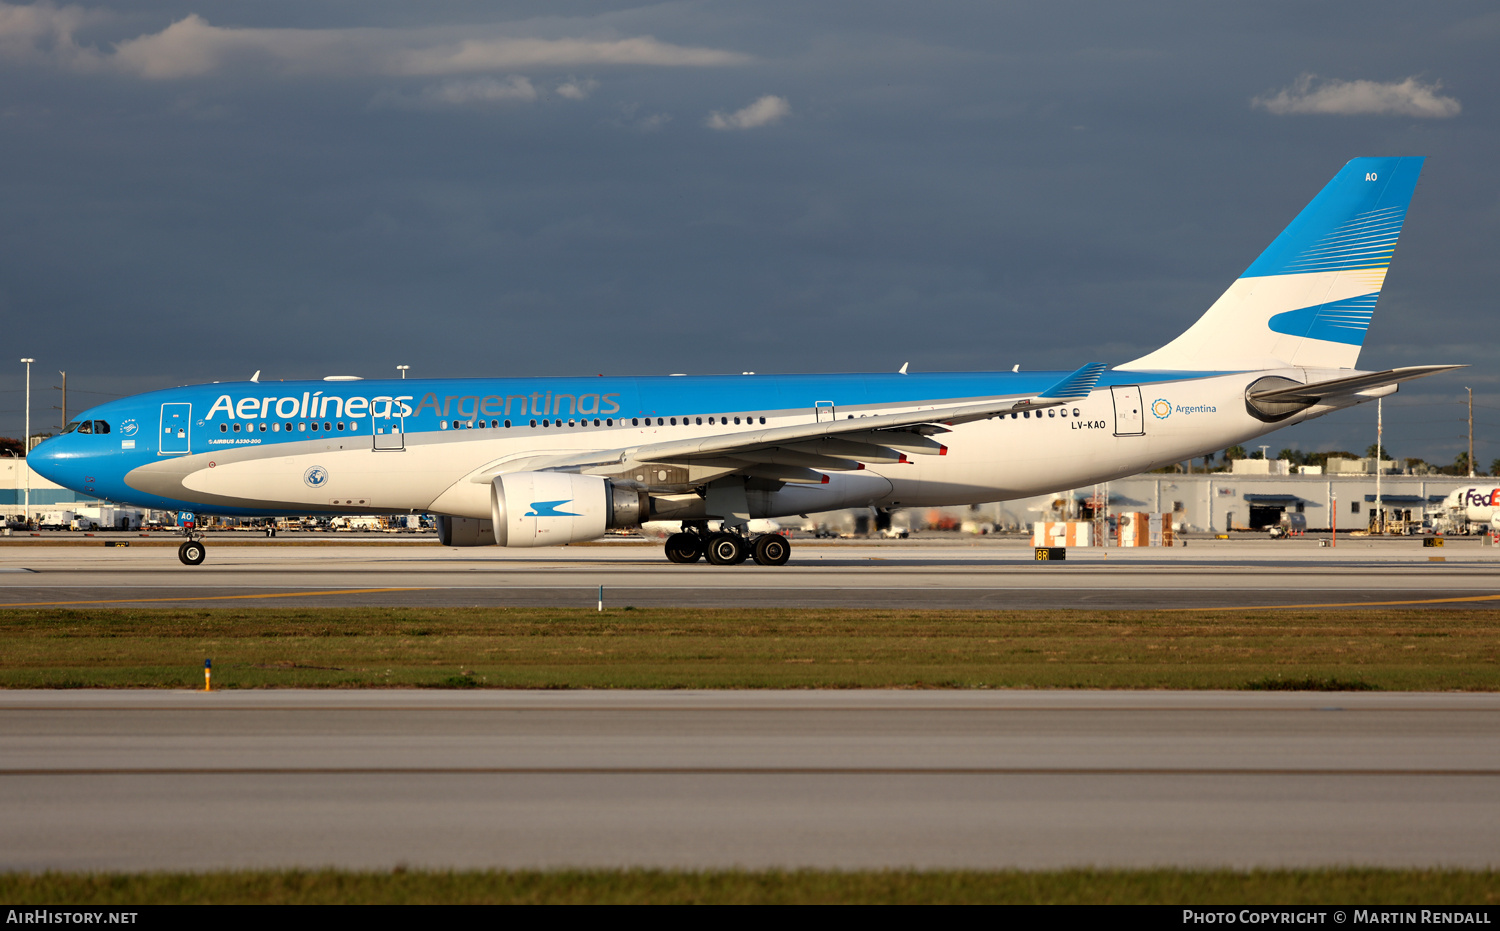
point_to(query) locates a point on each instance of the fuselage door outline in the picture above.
(389, 434)
(175, 434)
(1130, 419)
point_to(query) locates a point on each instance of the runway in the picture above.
(103, 780)
(963, 573)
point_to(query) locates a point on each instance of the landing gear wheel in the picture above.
(772, 550)
(727, 549)
(684, 547)
(191, 553)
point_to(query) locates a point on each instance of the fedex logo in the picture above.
(1476, 498)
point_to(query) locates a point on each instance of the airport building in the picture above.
(1256, 495)
(1222, 501)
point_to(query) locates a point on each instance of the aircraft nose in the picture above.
(53, 461)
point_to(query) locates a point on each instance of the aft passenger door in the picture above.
(1130, 417)
(390, 433)
(823, 412)
(175, 436)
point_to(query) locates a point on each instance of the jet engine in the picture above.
(553, 508)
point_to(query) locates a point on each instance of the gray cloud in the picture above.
(1310, 94)
(193, 47)
(576, 89)
(763, 112)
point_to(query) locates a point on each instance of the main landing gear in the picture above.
(727, 549)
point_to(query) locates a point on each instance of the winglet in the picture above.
(1077, 385)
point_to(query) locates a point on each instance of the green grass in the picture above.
(1100, 887)
(551, 648)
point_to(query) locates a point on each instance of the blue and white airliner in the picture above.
(530, 462)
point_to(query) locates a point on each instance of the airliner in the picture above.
(526, 462)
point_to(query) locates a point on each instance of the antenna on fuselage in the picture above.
(902, 370)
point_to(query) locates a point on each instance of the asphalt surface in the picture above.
(927, 572)
(105, 780)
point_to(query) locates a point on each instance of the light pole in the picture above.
(403, 369)
(26, 442)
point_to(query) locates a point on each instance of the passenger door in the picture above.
(175, 436)
(1130, 417)
(390, 433)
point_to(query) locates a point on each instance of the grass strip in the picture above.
(723, 887)
(558, 648)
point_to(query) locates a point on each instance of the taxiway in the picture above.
(103, 780)
(966, 573)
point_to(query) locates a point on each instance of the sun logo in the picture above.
(1161, 408)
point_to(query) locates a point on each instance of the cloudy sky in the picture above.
(193, 191)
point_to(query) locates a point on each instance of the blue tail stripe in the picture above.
(1337, 321)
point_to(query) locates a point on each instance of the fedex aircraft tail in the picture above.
(1309, 298)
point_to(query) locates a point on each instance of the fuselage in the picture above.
(419, 445)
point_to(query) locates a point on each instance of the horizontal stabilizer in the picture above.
(1318, 390)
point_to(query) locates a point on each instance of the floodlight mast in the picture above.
(26, 443)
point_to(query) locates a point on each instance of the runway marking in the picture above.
(1345, 604)
(732, 771)
(110, 601)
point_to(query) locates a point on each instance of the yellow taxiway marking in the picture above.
(112, 601)
(1345, 604)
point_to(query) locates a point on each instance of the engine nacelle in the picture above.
(553, 508)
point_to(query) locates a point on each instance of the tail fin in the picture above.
(1309, 298)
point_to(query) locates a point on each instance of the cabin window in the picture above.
(315, 426)
(1051, 413)
(302, 426)
(700, 420)
(236, 428)
(1075, 412)
(533, 423)
(507, 425)
(223, 428)
(262, 426)
(763, 420)
(341, 425)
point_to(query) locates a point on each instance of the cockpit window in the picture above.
(101, 426)
(72, 426)
(85, 426)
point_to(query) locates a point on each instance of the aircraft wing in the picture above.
(1338, 387)
(792, 452)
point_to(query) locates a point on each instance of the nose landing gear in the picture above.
(191, 552)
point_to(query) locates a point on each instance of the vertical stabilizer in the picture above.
(1309, 298)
